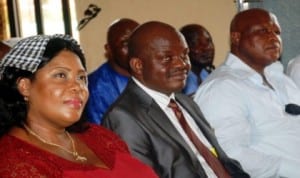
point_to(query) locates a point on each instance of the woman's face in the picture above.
(58, 93)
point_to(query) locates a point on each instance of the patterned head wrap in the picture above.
(28, 53)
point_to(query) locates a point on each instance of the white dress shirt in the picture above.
(293, 70)
(249, 117)
(163, 100)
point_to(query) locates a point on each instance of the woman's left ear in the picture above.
(23, 85)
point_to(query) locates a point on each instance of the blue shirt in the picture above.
(105, 85)
(249, 117)
(192, 82)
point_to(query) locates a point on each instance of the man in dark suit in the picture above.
(142, 117)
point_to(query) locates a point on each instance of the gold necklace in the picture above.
(74, 152)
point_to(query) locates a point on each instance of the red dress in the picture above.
(21, 159)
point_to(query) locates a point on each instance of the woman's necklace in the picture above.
(74, 152)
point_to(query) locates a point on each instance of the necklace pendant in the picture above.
(80, 158)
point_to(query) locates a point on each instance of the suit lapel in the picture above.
(160, 119)
(197, 116)
(163, 123)
(203, 125)
(199, 119)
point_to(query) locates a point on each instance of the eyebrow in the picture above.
(67, 68)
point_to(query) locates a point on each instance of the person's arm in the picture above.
(224, 108)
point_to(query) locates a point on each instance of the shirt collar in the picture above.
(244, 71)
(161, 99)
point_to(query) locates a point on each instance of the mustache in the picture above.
(179, 71)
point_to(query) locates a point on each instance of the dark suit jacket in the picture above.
(152, 138)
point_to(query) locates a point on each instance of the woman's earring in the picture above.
(25, 98)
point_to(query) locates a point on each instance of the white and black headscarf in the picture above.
(28, 53)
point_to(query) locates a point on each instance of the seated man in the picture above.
(108, 81)
(245, 99)
(201, 54)
(163, 128)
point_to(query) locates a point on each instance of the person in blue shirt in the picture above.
(201, 54)
(108, 81)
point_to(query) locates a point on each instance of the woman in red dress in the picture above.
(42, 131)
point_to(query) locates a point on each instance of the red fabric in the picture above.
(21, 159)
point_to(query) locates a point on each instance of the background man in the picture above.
(245, 99)
(201, 54)
(108, 81)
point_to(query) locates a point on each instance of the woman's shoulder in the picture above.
(18, 159)
(12, 147)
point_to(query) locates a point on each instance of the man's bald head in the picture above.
(255, 38)
(146, 34)
(245, 19)
(120, 27)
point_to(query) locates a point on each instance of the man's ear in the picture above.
(107, 51)
(136, 65)
(235, 38)
(23, 85)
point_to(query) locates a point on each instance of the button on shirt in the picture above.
(163, 101)
(249, 117)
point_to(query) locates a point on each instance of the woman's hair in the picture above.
(13, 107)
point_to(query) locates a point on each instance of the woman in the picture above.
(43, 93)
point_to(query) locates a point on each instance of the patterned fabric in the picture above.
(28, 53)
(21, 159)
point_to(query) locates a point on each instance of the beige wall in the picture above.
(215, 15)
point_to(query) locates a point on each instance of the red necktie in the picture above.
(211, 160)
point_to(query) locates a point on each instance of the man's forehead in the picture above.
(257, 21)
(174, 41)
